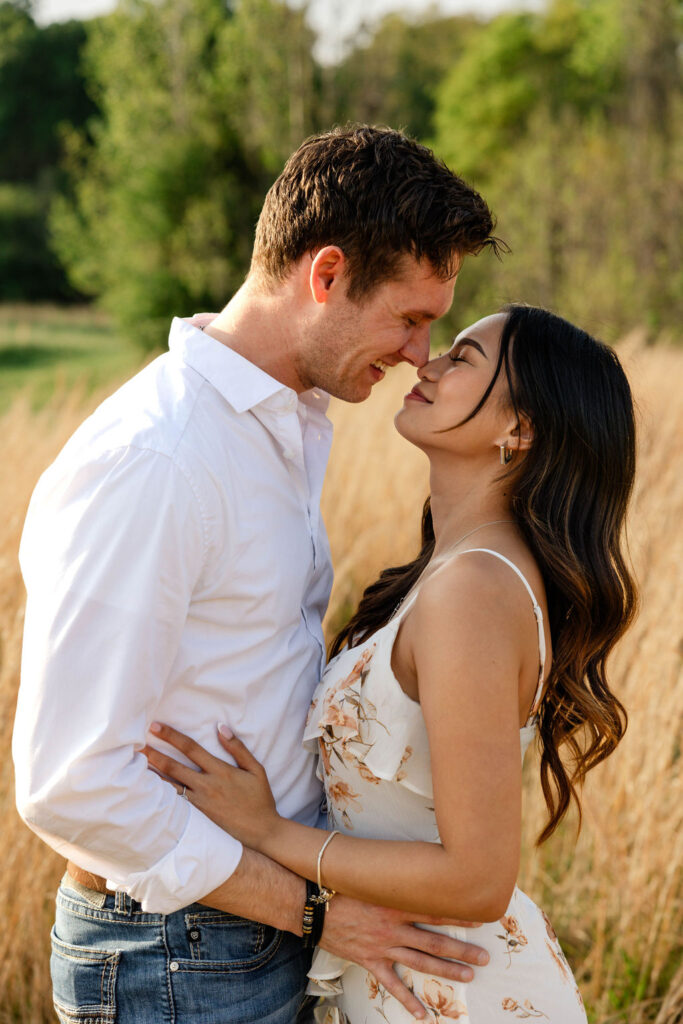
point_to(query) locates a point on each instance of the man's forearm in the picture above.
(261, 890)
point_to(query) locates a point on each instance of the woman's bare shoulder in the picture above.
(473, 579)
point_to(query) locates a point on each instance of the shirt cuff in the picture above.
(204, 857)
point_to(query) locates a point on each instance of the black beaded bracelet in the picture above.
(314, 915)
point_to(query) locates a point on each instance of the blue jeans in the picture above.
(113, 964)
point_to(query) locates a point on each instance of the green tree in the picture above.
(41, 90)
(266, 67)
(196, 114)
(41, 87)
(570, 57)
(564, 120)
(392, 76)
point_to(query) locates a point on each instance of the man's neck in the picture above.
(261, 327)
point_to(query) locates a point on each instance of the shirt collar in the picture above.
(243, 384)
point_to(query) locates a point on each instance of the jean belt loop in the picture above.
(121, 902)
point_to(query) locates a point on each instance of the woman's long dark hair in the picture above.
(569, 497)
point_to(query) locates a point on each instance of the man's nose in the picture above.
(416, 349)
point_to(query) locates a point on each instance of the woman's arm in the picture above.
(467, 635)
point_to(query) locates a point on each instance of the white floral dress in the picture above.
(374, 762)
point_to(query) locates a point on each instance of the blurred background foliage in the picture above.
(135, 151)
(136, 148)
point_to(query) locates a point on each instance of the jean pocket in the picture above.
(216, 937)
(83, 983)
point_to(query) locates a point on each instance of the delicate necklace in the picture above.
(494, 522)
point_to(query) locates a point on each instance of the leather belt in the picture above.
(86, 878)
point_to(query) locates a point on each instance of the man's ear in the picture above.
(328, 267)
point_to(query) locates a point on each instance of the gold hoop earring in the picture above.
(505, 454)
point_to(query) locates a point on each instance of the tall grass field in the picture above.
(614, 895)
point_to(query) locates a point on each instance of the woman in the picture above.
(497, 632)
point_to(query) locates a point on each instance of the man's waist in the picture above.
(86, 878)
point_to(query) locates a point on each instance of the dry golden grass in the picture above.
(615, 898)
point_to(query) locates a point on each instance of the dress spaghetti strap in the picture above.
(409, 600)
(538, 613)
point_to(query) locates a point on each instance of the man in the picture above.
(177, 569)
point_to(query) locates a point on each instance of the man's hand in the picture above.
(378, 937)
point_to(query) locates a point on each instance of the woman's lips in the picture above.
(416, 396)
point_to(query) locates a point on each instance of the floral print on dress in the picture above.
(556, 954)
(523, 1011)
(552, 935)
(559, 960)
(367, 775)
(515, 940)
(343, 714)
(341, 797)
(356, 675)
(439, 998)
(331, 1015)
(401, 773)
(358, 716)
(377, 994)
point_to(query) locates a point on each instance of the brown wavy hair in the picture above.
(379, 196)
(569, 498)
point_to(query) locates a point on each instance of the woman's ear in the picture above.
(519, 435)
(522, 435)
(328, 266)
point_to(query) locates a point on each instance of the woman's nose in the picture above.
(430, 370)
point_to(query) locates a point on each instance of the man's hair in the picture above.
(379, 196)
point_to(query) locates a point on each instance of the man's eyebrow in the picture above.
(472, 342)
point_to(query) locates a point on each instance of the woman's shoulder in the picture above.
(480, 584)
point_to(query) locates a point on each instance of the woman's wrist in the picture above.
(272, 836)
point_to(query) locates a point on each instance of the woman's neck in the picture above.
(462, 499)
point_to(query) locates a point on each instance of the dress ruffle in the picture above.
(329, 1014)
(373, 750)
(374, 722)
(326, 974)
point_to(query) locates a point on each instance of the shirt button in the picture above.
(174, 965)
(194, 934)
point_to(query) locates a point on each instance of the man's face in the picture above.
(350, 346)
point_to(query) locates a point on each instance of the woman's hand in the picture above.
(238, 799)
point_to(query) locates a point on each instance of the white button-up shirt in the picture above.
(177, 569)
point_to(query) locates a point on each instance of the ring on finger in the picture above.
(184, 793)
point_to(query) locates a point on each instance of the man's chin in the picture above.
(352, 394)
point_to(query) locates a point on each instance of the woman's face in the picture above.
(449, 389)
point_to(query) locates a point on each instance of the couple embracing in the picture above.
(253, 832)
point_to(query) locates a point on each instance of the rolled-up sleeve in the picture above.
(111, 554)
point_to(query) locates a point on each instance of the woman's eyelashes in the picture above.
(455, 357)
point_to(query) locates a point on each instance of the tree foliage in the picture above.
(567, 59)
(197, 113)
(392, 76)
(564, 118)
(41, 89)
